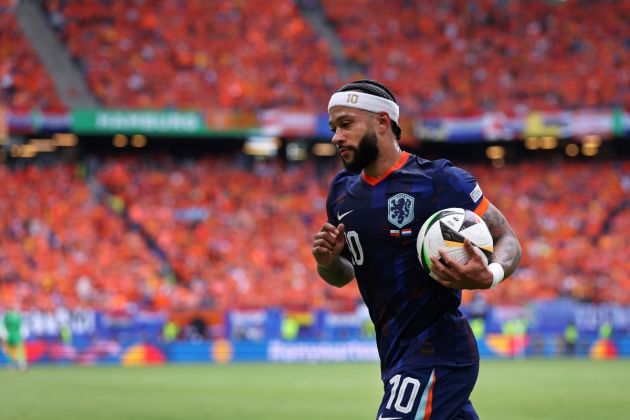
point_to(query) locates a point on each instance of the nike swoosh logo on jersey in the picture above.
(380, 417)
(341, 216)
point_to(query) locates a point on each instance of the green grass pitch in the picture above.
(506, 389)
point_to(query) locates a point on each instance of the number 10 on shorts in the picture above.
(407, 390)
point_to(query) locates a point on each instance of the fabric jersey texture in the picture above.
(418, 322)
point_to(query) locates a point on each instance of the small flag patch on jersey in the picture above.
(398, 233)
(476, 193)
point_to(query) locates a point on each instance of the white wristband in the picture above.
(498, 273)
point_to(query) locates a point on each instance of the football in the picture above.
(446, 229)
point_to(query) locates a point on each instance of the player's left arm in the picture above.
(458, 187)
(507, 248)
(475, 274)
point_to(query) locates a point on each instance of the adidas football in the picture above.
(446, 229)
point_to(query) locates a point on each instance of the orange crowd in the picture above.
(238, 236)
(442, 58)
(61, 247)
(570, 218)
(463, 57)
(24, 82)
(195, 54)
(211, 234)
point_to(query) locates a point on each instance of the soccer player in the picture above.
(15, 343)
(375, 208)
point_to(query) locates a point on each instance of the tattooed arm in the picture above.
(474, 274)
(507, 248)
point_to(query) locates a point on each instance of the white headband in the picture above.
(365, 101)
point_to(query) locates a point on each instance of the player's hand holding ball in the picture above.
(473, 274)
(454, 246)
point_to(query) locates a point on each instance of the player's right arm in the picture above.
(333, 267)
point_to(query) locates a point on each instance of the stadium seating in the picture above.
(60, 247)
(24, 82)
(441, 58)
(244, 55)
(240, 238)
(570, 218)
(464, 57)
(211, 233)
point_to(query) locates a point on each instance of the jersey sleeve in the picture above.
(457, 187)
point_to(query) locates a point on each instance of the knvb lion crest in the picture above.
(400, 209)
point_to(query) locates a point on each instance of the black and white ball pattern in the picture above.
(446, 229)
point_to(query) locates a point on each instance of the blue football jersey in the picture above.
(417, 320)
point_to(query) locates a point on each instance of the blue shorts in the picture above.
(436, 393)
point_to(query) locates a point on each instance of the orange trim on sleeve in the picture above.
(481, 208)
(373, 180)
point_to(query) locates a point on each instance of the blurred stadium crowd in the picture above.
(208, 234)
(172, 234)
(442, 58)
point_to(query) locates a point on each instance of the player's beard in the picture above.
(364, 155)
